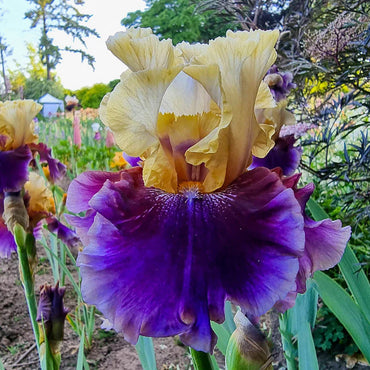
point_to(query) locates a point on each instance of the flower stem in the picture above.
(288, 346)
(23, 243)
(201, 360)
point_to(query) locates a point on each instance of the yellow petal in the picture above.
(264, 97)
(276, 117)
(140, 50)
(243, 59)
(159, 170)
(189, 51)
(41, 198)
(132, 108)
(185, 96)
(16, 122)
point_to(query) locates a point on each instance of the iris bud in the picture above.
(51, 315)
(15, 211)
(247, 348)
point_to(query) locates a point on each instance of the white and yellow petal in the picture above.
(276, 117)
(140, 50)
(41, 199)
(132, 108)
(16, 122)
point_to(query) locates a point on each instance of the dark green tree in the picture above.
(179, 20)
(59, 15)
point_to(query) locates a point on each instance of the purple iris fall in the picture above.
(167, 243)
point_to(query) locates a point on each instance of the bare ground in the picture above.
(109, 350)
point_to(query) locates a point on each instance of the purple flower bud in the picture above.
(51, 312)
(280, 83)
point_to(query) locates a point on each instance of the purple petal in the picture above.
(325, 242)
(84, 186)
(132, 161)
(283, 155)
(280, 83)
(64, 233)
(7, 243)
(56, 168)
(160, 264)
(14, 168)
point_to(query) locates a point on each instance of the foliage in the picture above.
(30, 80)
(35, 89)
(179, 20)
(329, 335)
(90, 97)
(249, 14)
(59, 15)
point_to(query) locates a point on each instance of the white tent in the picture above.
(51, 105)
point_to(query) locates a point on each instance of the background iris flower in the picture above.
(167, 243)
(18, 145)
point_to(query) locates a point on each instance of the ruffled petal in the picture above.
(14, 168)
(243, 58)
(276, 117)
(160, 264)
(132, 108)
(16, 122)
(325, 242)
(84, 186)
(140, 50)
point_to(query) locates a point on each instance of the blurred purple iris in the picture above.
(280, 83)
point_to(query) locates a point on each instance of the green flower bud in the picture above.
(247, 348)
(15, 211)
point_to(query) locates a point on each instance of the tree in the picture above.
(90, 97)
(59, 15)
(30, 81)
(4, 51)
(179, 20)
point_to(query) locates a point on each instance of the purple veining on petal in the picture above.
(37, 231)
(283, 155)
(132, 161)
(171, 260)
(14, 168)
(56, 168)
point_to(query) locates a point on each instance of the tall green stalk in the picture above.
(24, 241)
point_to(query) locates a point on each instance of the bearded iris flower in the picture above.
(167, 242)
(18, 144)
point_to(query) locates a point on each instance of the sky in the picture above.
(74, 74)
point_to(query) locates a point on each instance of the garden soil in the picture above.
(109, 350)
